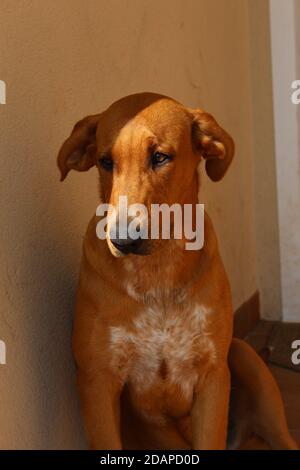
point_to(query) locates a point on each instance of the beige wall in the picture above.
(264, 165)
(62, 60)
(285, 64)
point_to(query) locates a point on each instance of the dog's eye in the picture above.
(106, 163)
(159, 159)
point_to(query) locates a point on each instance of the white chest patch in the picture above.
(179, 341)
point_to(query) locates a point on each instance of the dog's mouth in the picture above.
(125, 247)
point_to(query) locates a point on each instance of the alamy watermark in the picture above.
(2, 92)
(163, 221)
(2, 352)
(296, 353)
(295, 97)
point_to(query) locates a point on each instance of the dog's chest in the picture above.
(160, 356)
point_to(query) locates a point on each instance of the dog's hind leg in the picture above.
(257, 405)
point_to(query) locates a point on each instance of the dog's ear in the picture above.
(212, 143)
(78, 151)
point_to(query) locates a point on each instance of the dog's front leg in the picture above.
(210, 411)
(100, 402)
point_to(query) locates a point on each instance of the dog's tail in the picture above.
(256, 405)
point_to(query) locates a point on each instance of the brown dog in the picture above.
(152, 333)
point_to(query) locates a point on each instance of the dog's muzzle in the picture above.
(126, 244)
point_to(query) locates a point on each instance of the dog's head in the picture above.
(146, 147)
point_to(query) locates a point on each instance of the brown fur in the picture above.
(111, 325)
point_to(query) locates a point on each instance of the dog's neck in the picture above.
(162, 277)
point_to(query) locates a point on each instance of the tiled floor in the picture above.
(288, 380)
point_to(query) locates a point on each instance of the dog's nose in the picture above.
(127, 245)
(123, 240)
